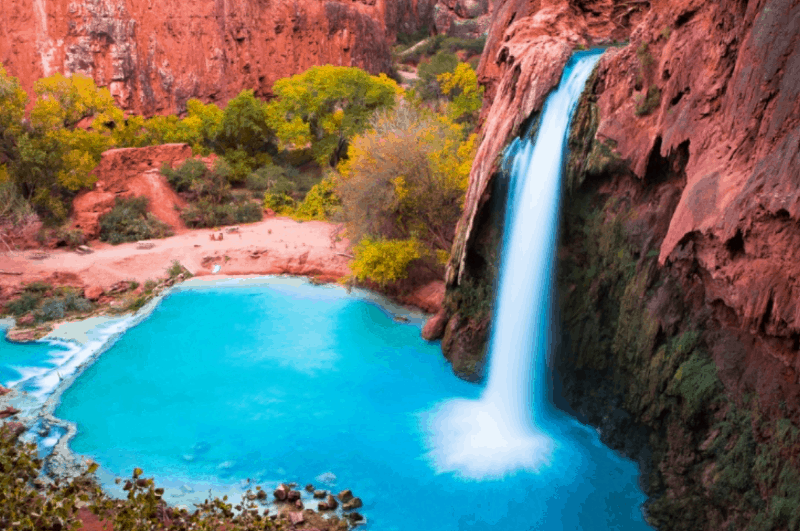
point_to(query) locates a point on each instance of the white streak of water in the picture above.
(502, 432)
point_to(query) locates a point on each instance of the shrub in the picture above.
(205, 214)
(52, 310)
(428, 86)
(72, 238)
(23, 304)
(383, 261)
(646, 104)
(320, 202)
(273, 178)
(182, 178)
(38, 287)
(279, 203)
(129, 221)
(176, 268)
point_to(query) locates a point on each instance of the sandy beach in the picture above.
(273, 246)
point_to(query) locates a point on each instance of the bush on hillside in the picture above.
(129, 221)
(383, 261)
(206, 214)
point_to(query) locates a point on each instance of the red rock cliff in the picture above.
(154, 56)
(687, 144)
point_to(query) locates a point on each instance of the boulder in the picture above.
(346, 495)
(93, 293)
(355, 503)
(26, 320)
(331, 502)
(320, 494)
(434, 326)
(281, 492)
(293, 495)
(8, 412)
(309, 488)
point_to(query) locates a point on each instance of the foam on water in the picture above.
(53, 360)
(506, 429)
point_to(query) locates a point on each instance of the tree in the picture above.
(326, 106)
(70, 126)
(244, 125)
(383, 261)
(427, 86)
(12, 110)
(462, 89)
(406, 178)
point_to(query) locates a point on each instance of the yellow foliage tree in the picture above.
(406, 178)
(462, 89)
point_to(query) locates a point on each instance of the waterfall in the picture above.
(505, 430)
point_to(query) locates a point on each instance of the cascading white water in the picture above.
(502, 432)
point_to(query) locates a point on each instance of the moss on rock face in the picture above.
(637, 359)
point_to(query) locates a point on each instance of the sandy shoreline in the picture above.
(274, 246)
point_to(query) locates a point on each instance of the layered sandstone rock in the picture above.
(154, 56)
(132, 172)
(462, 18)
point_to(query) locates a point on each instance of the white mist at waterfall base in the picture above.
(506, 430)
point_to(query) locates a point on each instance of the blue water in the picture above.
(290, 381)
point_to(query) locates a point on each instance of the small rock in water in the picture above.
(355, 503)
(261, 495)
(331, 502)
(355, 517)
(309, 488)
(281, 492)
(320, 494)
(293, 495)
(346, 495)
(322, 506)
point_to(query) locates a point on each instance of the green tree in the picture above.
(462, 89)
(12, 110)
(70, 126)
(325, 106)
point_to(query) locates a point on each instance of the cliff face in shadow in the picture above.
(677, 261)
(154, 56)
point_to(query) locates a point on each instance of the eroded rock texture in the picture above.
(678, 263)
(154, 56)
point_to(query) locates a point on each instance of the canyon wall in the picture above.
(154, 56)
(678, 259)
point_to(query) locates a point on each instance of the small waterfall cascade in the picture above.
(504, 430)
